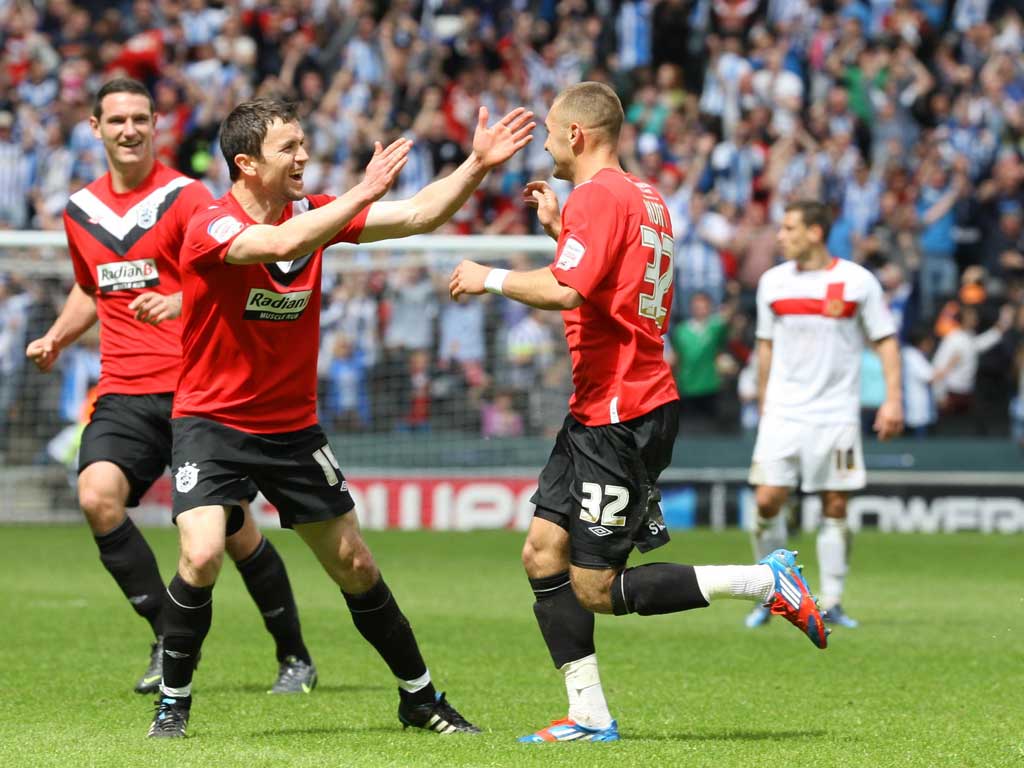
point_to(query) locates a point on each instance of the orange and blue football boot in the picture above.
(570, 730)
(792, 599)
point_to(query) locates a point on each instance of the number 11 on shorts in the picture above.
(325, 458)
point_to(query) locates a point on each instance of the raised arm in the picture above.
(437, 202)
(77, 316)
(265, 243)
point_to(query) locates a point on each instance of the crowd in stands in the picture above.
(906, 116)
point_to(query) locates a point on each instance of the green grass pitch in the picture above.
(934, 676)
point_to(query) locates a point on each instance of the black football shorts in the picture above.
(599, 485)
(133, 432)
(297, 472)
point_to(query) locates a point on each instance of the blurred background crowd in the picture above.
(906, 116)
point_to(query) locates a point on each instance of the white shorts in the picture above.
(822, 457)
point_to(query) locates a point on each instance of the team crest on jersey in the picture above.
(127, 275)
(120, 232)
(571, 254)
(834, 307)
(147, 216)
(224, 228)
(186, 477)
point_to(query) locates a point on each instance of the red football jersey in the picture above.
(616, 250)
(252, 332)
(122, 245)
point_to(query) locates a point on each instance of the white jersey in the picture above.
(817, 321)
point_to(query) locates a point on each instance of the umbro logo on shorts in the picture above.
(600, 530)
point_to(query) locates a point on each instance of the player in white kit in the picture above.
(814, 313)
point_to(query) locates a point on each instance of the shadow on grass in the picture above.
(323, 730)
(329, 689)
(772, 735)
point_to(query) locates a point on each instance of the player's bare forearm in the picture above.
(437, 202)
(888, 351)
(539, 288)
(536, 288)
(428, 209)
(764, 364)
(889, 420)
(265, 243)
(77, 316)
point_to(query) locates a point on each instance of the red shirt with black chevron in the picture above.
(252, 331)
(122, 245)
(615, 249)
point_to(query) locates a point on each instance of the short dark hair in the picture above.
(121, 85)
(243, 131)
(813, 214)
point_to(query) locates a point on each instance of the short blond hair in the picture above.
(593, 105)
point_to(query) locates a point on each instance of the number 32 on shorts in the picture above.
(595, 510)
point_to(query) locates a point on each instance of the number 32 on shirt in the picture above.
(659, 269)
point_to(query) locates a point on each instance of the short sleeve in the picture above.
(209, 237)
(765, 315)
(83, 276)
(592, 231)
(875, 317)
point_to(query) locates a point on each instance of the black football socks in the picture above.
(656, 588)
(567, 627)
(266, 579)
(187, 614)
(381, 622)
(129, 559)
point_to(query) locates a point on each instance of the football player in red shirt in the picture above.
(597, 498)
(245, 409)
(124, 232)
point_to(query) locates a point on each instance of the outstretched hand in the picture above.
(493, 146)
(384, 166)
(540, 196)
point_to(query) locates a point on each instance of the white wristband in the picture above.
(494, 280)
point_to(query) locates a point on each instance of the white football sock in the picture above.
(587, 705)
(832, 560)
(411, 686)
(742, 582)
(769, 533)
(176, 693)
